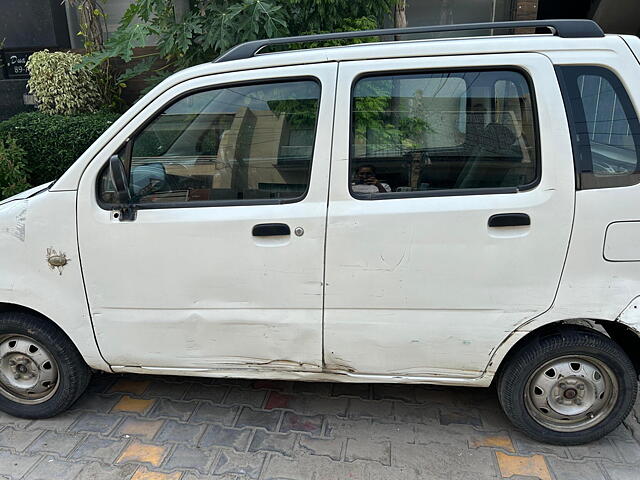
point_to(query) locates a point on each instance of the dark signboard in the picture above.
(15, 63)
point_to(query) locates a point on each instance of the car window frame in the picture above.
(449, 192)
(127, 145)
(582, 152)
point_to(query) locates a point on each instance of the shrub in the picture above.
(53, 142)
(60, 85)
(13, 177)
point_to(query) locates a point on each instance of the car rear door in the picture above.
(429, 278)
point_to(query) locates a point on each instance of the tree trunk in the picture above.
(400, 16)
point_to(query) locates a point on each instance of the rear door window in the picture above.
(451, 132)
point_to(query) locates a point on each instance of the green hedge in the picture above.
(53, 142)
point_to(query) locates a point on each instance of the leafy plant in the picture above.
(53, 142)
(210, 27)
(13, 177)
(60, 87)
(376, 112)
(93, 26)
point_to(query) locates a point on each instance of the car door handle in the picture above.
(270, 230)
(509, 220)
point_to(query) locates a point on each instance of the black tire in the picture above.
(513, 382)
(73, 374)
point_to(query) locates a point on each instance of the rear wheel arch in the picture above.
(627, 338)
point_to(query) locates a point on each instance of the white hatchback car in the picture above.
(448, 211)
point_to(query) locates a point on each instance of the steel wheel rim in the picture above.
(28, 372)
(571, 393)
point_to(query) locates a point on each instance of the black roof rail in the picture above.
(561, 28)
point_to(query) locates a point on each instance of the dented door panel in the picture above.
(194, 288)
(423, 286)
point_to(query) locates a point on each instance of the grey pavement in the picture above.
(129, 427)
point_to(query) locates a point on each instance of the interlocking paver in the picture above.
(144, 473)
(620, 472)
(142, 428)
(98, 448)
(527, 446)
(127, 385)
(95, 423)
(435, 459)
(219, 436)
(50, 468)
(173, 409)
(190, 458)
(56, 443)
(369, 450)
(201, 391)
(208, 413)
(259, 418)
(492, 440)
(570, 470)
(405, 393)
(178, 432)
(100, 471)
(133, 405)
(628, 449)
(454, 435)
(59, 423)
(169, 428)
(143, 453)
(533, 466)
(243, 396)
(361, 390)
(463, 417)
(602, 448)
(16, 465)
(324, 447)
(415, 413)
(96, 403)
(17, 438)
(301, 423)
(369, 408)
(311, 405)
(306, 467)
(231, 463)
(273, 442)
(9, 420)
(173, 391)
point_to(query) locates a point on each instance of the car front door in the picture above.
(222, 265)
(452, 196)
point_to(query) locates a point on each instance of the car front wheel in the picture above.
(41, 371)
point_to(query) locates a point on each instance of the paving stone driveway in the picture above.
(177, 428)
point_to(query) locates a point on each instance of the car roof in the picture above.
(410, 48)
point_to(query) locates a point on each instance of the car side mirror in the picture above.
(120, 179)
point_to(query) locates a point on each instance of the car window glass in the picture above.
(237, 143)
(419, 132)
(605, 126)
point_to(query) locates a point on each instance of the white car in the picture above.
(453, 211)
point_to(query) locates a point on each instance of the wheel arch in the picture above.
(626, 337)
(16, 307)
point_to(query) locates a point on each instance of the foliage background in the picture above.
(211, 27)
(13, 176)
(60, 87)
(53, 142)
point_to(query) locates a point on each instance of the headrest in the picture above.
(497, 138)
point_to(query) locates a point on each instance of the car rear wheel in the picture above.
(568, 387)
(41, 371)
